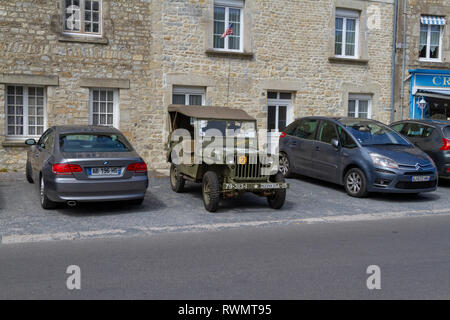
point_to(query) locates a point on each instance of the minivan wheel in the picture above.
(285, 165)
(356, 183)
(277, 200)
(28, 173)
(46, 203)
(211, 191)
(176, 180)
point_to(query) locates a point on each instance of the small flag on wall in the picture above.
(228, 31)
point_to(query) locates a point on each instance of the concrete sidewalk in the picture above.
(308, 201)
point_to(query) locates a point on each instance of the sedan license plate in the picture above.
(104, 172)
(420, 178)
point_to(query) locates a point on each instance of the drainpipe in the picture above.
(402, 92)
(394, 52)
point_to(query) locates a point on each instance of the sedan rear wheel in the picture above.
(356, 183)
(46, 203)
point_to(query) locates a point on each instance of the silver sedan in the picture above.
(73, 164)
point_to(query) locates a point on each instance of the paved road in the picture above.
(319, 261)
(20, 212)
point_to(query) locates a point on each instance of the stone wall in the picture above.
(149, 46)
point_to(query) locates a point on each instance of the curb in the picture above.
(115, 233)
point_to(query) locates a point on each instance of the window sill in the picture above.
(348, 60)
(431, 64)
(430, 60)
(238, 54)
(14, 143)
(82, 39)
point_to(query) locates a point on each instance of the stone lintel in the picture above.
(105, 83)
(26, 79)
(282, 85)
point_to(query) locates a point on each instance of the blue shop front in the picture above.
(430, 94)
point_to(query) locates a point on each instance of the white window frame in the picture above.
(116, 110)
(427, 58)
(347, 14)
(230, 4)
(82, 26)
(188, 91)
(357, 98)
(25, 113)
(281, 102)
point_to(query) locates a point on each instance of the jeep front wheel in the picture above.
(276, 201)
(211, 191)
(176, 180)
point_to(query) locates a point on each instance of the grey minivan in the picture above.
(363, 155)
(85, 163)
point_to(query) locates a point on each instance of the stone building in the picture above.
(423, 60)
(122, 62)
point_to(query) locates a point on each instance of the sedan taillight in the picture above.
(66, 168)
(446, 146)
(138, 167)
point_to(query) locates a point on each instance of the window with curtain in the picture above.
(431, 38)
(359, 106)
(25, 111)
(190, 96)
(346, 33)
(104, 107)
(82, 16)
(228, 22)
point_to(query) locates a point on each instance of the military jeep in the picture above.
(218, 147)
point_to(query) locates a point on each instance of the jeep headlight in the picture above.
(230, 160)
(382, 161)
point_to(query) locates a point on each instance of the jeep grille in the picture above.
(251, 170)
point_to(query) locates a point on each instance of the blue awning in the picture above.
(440, 94)
(438, 21)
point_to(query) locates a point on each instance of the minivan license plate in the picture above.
(420, 178)
(102, 172)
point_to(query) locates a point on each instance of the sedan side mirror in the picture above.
(335, 143)
(30, 142)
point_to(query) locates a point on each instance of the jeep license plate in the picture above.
(270, 186)
(420, 178)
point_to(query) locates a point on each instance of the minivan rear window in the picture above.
(93, 142)
(447, 132)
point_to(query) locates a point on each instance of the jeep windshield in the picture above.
(227, 128)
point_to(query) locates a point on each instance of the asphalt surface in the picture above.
(318, 261)
(163, 210)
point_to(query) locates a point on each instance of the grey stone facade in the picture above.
(148, 46)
